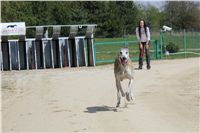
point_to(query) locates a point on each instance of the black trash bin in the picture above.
(90, 52)
(56, 53)
(81, 53)
(90, 48)
(22, 54)
(14, 55)
(47, 53)
(65, 55)
(5, 54)
(73, 52)
(39, 54)
(31, 54)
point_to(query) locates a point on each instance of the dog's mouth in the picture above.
(123, 60)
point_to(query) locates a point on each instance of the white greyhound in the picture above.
(123, 69)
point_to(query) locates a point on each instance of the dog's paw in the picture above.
(118, 103)
(132, 102)
(131, 97)
(123, 95)
(125, 105)
(128, 96)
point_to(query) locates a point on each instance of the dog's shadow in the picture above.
(95, 109)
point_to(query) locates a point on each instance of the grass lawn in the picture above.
(106, 53)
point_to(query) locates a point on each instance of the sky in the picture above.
(156, 3)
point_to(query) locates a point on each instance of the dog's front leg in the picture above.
(118, 98)
(119, 88)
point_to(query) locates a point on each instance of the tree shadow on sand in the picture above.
(95, 109)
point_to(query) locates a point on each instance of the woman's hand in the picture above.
(147, 46)
(141, 47)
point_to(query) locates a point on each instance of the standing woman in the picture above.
(143, 37)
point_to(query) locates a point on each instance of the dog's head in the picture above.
(123, 55)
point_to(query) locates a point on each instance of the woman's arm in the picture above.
(137, 35)
(148, 35)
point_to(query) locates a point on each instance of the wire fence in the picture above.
(105, 52)
(188, 43)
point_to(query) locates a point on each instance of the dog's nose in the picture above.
(124, 58)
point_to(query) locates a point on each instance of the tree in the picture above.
(182, 15)
(153, 17)
(127, 12)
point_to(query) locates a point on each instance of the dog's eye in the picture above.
(120, 52)
(126, 52)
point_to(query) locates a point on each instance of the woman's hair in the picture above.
(139, 28)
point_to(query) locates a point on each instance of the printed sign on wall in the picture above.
(14, 28)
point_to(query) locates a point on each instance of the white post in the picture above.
(26, 47)
(68, 52)
(10, 55)
(77, 53)
(1, 56)
(18, 55)
(93, 51)
(34, 48)
(52, 53)
(60, 43)
(44, 64)
(86, 63)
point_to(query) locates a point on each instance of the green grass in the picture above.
(129, 38)
(106, 53)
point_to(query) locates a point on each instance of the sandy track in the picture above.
(83, 99)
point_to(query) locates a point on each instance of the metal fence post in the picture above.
(95, 58)
(161, 44)
(193, 38)
(185, 43)
(156, 49)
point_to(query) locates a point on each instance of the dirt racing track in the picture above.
(166, 98)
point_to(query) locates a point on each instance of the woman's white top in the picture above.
(144, 37)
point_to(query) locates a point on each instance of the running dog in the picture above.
(123, 69)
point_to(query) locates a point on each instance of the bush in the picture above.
(172, 48)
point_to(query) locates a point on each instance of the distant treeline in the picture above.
(114, 18)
